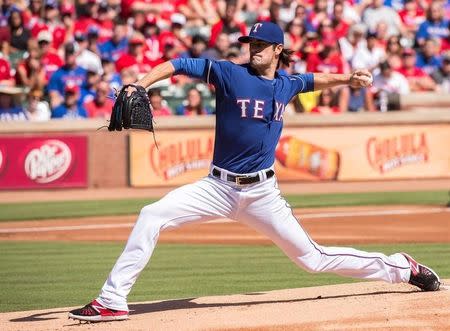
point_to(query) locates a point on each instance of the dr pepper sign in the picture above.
(43, 162)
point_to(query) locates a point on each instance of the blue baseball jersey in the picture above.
(249, 110)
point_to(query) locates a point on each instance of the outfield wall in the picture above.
(346, 147)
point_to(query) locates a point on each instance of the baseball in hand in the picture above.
(361, 78)
(369, 79)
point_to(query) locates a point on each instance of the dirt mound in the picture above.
(368, 305)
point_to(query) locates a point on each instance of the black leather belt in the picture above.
(243, 179)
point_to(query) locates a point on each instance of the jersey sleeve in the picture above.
(301, 83)
(209, 71)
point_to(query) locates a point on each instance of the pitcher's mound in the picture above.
(368, 305)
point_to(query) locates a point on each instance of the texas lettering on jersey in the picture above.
(254, 108)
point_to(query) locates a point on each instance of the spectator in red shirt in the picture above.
(418, 79)
(412, 16)
(295, 34)
(340, 25)
(162, 8)
(53, 23)
(327, 103)
(128, 69)
(105, 22)
(87, 14)
(30, 72)
(100, 106)
(326, 33)
(32, 14)
(158, 104)
(136, 50)
(5, 73)
(169, 52)
(229, 25)
(50, 60)
(176, 35)
(329, 60)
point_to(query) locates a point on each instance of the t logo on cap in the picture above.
(256, 26)
(267, 31)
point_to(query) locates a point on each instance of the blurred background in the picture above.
(61, 62)
(63, 59)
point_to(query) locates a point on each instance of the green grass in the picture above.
(68, 209)
(38, 275)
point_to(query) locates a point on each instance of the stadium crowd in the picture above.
(64, 59)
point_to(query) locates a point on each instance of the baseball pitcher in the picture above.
(242, 184)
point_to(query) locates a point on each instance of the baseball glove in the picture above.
(132, 111)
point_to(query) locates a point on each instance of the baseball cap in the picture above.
(265, 31)
(71, 88)
(178, 18)
(125, 61)
(44, 35)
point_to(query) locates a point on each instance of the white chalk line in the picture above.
(304, 217)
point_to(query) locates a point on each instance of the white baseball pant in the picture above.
(259, 206)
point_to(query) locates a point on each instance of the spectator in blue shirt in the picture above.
(117, 45)
(9, 109)
(436, 25)
(70, 108)
(68, 73)
(429, 60)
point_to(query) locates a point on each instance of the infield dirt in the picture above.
(359, 306)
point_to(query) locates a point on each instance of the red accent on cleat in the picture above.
(96, 312)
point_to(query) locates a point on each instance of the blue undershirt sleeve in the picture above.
(191, 67)
(301, 83)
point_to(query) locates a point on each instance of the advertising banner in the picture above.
(364, 153)
(303, 154)
(180, 157)
(39, 162)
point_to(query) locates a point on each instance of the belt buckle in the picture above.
(239, 178)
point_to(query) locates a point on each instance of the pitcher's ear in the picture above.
(278, 49)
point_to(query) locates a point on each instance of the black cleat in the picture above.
(95, 312)
(422, 276)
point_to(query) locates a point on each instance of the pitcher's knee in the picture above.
(152, 216)
(311, 262)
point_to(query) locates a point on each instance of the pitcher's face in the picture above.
(262, 54)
